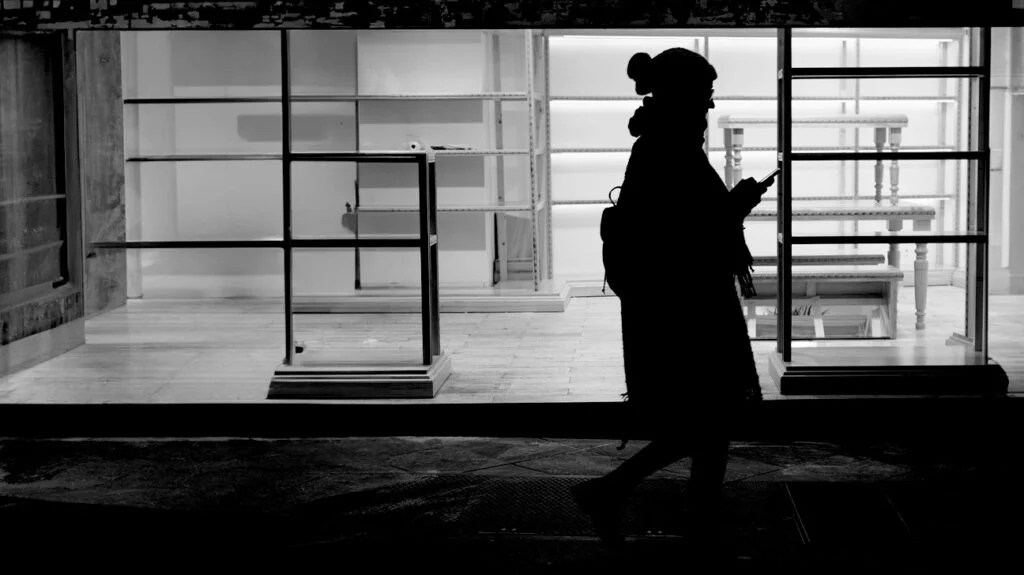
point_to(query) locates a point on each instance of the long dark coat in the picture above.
(686, 351)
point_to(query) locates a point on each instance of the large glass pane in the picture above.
(576, 242)
(422, 62)
(215, 128)
(586, 64)
(323, 62)
(878, 47)
(203, 200)
(323, 199)
(895, 309)
(201, 63)
(211, 273)
(323, 127)
(591, 124)
(30, 214)
(359, 338)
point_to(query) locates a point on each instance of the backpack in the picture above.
(614, 251)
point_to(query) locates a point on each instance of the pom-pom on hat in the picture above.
(639, 70)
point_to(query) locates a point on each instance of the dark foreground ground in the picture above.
(497, 505)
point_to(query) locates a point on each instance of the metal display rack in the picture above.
(322, 375)
(963, 366)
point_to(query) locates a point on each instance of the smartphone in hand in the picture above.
(765, 181)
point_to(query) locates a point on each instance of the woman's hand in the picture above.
(747, 194)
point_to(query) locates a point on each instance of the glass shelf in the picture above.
(204, 157)
(741, 98)
(325, 98)
(469, 208)
(886, 72)
(364, 241)
(923, 237)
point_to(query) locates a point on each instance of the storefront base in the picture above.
(35, 349)
(325, 377)
(953, 370)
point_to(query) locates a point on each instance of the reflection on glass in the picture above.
(201, 129)
(323, 127)
(323, 199)
(323, 62)
(208, 273)
(201, 63)
(167, 201)
(878, 47)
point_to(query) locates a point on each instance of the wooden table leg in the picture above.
(893, 257)
(733, 156)
(921, 283)
(895, 137)
(880, 135)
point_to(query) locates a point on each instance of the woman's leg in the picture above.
(604, 498)
(704, 495)
(655, 455)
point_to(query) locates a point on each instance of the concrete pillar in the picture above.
(101, 160)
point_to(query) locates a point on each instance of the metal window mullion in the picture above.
(784, 334)
(426, 301)
(357, 263)
(500, 221)
(961, 49)
(943, 108)
(60, 157)
(435, 299)
(982, 192)
(547, 219)
(856, 133)
(286, 197)
(531, 120)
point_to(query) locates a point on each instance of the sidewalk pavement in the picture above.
(496, 505)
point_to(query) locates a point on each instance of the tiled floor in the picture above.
(160, 351)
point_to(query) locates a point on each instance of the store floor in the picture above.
(201, 351)
(487, 505)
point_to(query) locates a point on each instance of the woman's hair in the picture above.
(674, 71)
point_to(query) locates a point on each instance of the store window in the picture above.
(33, 244)
(530, 131)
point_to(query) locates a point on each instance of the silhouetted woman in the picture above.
(687, 356)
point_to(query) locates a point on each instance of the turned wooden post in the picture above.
(733, 156)
(920, 283)
(879, 168)
(895, 137)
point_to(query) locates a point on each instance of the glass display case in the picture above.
(952, 359)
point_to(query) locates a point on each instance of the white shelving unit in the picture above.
(468, 95)
(501, 215)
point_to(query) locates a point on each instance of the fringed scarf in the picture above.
(652, 118)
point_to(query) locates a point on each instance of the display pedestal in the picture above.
(324, 376)
(894, 370)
